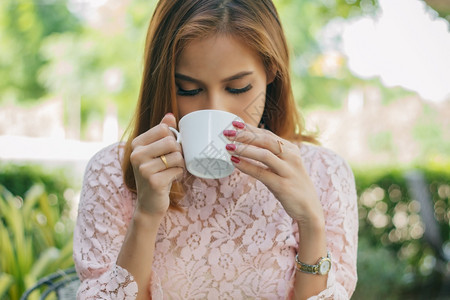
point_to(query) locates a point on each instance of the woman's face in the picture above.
(220, 72)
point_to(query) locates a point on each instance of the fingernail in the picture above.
(230, 147)
(238, 124)
(229, 132)
(235, 159)
(169, 113)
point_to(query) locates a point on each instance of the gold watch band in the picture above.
(322, 267)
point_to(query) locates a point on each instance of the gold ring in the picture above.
(164, 160)
(280, 144)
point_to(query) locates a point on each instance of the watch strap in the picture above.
(311, 269)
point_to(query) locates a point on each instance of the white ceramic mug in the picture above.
(201, 137)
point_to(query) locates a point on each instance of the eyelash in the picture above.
(190, 93)
(240, 91)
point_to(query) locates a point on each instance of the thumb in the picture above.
(170, 120)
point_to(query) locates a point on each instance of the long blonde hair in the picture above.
(173, 25)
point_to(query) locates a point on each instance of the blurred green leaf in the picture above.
(42, 264)
(30, 247)
(23, 27)
(392, 247)
(6, 281)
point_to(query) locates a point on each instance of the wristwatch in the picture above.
(322, 267)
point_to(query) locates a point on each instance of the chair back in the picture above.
(63, 284)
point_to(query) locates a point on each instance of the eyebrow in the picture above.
(231, 78)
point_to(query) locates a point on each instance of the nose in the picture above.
(216, 101)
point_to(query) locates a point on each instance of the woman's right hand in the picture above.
(153, 179)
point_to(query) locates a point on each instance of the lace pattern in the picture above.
(233, 240)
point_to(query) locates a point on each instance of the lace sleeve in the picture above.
(104, 212)
(335, 186)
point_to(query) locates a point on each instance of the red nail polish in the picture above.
(235, 159)
(229, 132)
(230, 147)
(238, 124)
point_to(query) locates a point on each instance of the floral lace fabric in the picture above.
(233, 239)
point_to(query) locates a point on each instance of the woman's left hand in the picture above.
(283, 171)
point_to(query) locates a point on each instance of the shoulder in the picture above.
(323, 161)
(104, 171)
(104, 168)
(110, 156)
(332, 176)
(313, 153)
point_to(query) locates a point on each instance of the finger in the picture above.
(262, 155)
(157, 132)
(164, 146)
(145, 153)
(259, 172)
(165, 178)
(152, 135)
(248, 127)
(155, 165)
(169, 120)
(173, 159)
(258, 137)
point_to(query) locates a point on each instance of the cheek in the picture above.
(254, 107)
(181, 108)
(185, 107)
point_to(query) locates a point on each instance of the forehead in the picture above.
(215, 54)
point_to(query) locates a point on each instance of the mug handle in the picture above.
(177, 134)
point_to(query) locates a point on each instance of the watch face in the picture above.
(324, 267)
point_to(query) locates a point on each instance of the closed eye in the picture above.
(182, 92)
(195, 92)
(240, 91)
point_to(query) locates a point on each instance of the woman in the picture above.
(148, 229)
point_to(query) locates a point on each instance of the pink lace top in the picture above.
(232, 241)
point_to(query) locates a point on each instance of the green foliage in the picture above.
(53, 53)
(35, 239)
(23, 27)
(35, 227)
(430, 134)
(379, 273)
(49, 52)
(382, 141)
(19, 178)
(6, 282)
(394, 259)
(99, 68)
(303, 21)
